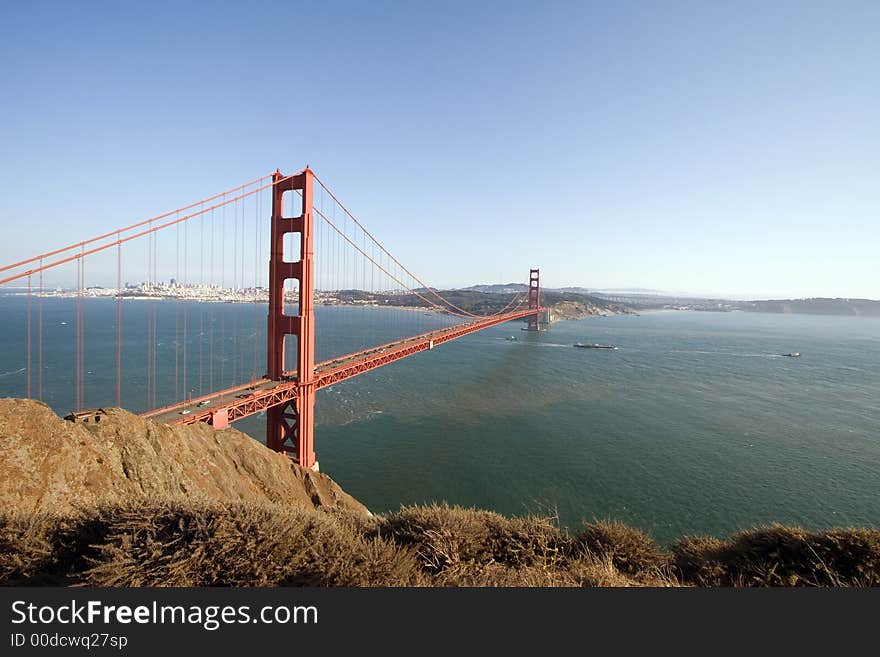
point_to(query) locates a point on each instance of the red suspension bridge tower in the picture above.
(534, 299)
(290, 427)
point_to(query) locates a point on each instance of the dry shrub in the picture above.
(583, 571)
(25, 547)
(449, 537)
(443, 536)
(357, 523)
(629, 549)
(499, 575)
(186, 544)
(199, 543)
(696, 560)
(591, 571)
(530, 541)
(782, 556)
(240, 544)
(851, 554)
(42, 549)
(467, 547)
(356, 561)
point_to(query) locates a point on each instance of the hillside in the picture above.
(570, 305)
(816, 306)
(50, 464)
(485, 300)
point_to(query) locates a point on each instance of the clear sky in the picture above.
(728, 148)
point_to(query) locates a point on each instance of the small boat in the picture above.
(594, 346)
(793, 354)
(511, 337)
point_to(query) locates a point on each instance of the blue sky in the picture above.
(702, 147)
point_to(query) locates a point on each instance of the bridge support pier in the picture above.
(284, 426)
(291, 428)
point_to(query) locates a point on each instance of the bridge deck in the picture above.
(251, 398)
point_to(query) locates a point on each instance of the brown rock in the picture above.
(51, 464)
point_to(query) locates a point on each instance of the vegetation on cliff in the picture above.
(204, 543)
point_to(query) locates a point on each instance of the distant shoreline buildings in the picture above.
(215, 293)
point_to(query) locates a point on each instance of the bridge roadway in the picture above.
(235, 403)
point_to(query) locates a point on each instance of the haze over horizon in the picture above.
(712, 150)
(663, 293)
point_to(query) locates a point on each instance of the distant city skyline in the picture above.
(703, 149)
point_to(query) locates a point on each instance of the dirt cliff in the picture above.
(578, 309)
(51, 464)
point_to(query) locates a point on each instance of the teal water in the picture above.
(695, 425)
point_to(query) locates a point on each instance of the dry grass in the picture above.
(243, 545)
(446, 537)
(782, 556)
(45, 549)
(630, 550)
(204, 543)
(25, 547)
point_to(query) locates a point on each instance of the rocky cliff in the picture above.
(586, 307)
(51, 464)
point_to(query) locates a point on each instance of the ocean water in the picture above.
(696, 424)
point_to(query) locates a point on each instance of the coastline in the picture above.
(192, 299)
(562, 311)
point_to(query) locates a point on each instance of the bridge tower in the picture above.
(534, 298)
(290, 428)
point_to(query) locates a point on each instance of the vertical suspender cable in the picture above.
(155, 400)
(28, 365)
(201, 300)
(150, 319)
(40, 338)
(254, 370)
(118, 322)
(149, 322)
(223, 293)
(185, 297)
(213, 308)
(82, 333)
(234, 293)
(76, 338)
(80, 329)
(176, 291)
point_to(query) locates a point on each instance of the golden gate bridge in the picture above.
(204, 245)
